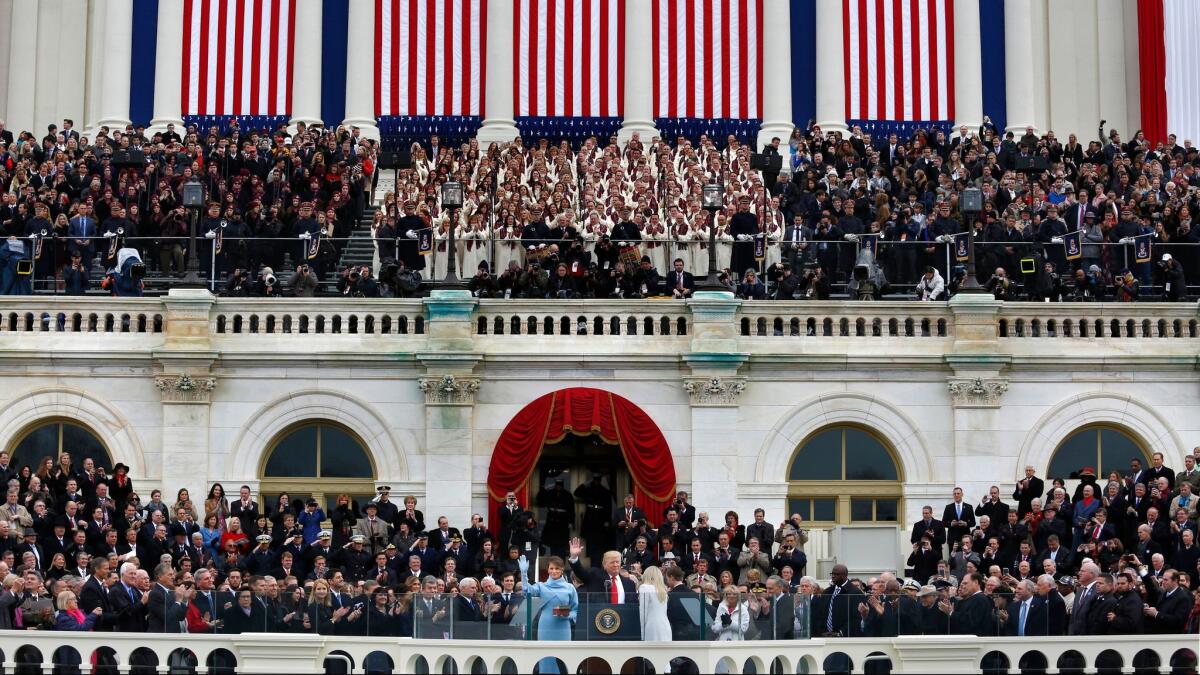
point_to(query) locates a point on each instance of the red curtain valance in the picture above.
(583, 411)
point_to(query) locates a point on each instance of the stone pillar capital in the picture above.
(714, 391)
(976, 392)
(185, 388)
(449, 389)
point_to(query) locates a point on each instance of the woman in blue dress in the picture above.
(557, 615)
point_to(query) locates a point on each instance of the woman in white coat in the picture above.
(652, 605)
(733, 617)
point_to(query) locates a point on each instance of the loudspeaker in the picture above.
(395, 159)
(971, 200)
(1031, 164)
(764, 162)
(129, 158)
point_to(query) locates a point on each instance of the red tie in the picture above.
(613, 597)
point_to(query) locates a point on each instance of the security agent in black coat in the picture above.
(924, 558)
(935, 528)
(536, 231)
(835, 611)
(626, 231)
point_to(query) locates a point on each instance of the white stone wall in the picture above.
(730, 453)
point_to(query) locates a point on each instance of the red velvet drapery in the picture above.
(1152, 70)
(582, 410)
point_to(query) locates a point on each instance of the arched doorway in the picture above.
(621, 427)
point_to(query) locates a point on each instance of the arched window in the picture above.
(845, 474)
(1101, 447)
(50, 438)
(319, 460)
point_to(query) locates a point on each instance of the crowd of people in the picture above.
(1108, 219)
(81, 550)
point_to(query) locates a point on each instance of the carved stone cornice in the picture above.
(714, 391)
(976, 392)
(449, 389)
(184, 388)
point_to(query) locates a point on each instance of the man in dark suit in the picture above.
(1127, 618)
(1170, 604)
(1028, 489)
(1158, 470)
(1088, 589)
(681, 284)
(694, 554)
(162, 597)
(1101, 608)
(783, 613)
(958, 517)
(210, 603)
(440, 538)
(1048, 613)
(468, 611)
(94, 593)
(972, 614)
(599, 581)
(626, 519)
(835, 611)
(993, 508)
(1064, 562)
(246, 511)
(128, 604)
(683, 627)
(928, 523)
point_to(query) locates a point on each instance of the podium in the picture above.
(603, 621)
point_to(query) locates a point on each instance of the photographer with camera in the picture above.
(268, 284)
(1174, 283)
(355, 282)
(76, 279)
(1127, 287)
(239, 284)
(483, 284)
(304, 282)
(999, 285)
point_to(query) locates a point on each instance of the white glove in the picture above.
(411, 234)
(743, 237)
(211, 234)
(852, 237)
(622, 243)
(109, 235)
(945, 238)
(523, 564)
(1055, 240)
(1126, 240)
(305, 235)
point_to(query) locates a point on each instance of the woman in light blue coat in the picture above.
(556, 620)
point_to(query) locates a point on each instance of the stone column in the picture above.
(22, 75)
(449, 390)
(831, 84)
(118, 58)
(168, 64)
(714, 428)
(975, 391)
(186, 384)
(639, 72)
(777, 70)
(306, 76)
(499, 124)
(713, 388)
(186, 402)
(968, 60)
(360, 70)
(1018, 65)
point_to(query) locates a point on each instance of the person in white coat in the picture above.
(652, 606)
(733, 617)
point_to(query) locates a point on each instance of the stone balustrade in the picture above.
(289, 653)
(670, 324)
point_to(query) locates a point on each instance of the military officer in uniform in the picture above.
(598, 502)
(409, 228)
(560, 517)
